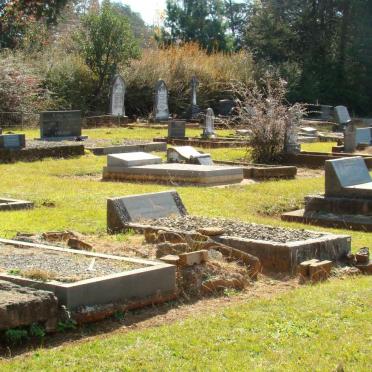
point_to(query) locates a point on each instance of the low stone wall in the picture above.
(204, 143)
(34, 154)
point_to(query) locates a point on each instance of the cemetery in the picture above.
(191, 192)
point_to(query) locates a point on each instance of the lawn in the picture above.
(313, 328)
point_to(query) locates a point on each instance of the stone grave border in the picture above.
(39, 153)
(14, 204)
(274, 256)
(221, 142)
(154, 283)
(263, 171)
(143, 147)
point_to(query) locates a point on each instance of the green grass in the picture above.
(314, 328)
(318, 146)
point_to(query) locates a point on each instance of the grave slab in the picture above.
(14, 204)
(203, 175)
(132, 159)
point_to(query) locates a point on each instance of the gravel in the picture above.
(59, 266)
(236, 228)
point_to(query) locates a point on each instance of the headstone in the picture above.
(117, 105)
(161, 101)
(12, 141)
(342, 115)
(177, 129)
(137, 208)
(194, 104)
(350, 143)
(208, 129)
(326, 112)
(291, 144)
(132, 159)
(60, 124)
(363, 136)
(187, 154)
(225, 107)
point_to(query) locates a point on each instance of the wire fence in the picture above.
(18, 120)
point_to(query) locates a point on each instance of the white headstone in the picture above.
(161, 101)
(117, 96)
(209, 124)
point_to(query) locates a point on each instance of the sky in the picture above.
(150, 10)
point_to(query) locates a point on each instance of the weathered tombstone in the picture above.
(208, 129)
(132, 159)
(161, 101)
(12, 141)
(342, 115)
(137, 208)
(187, 154)
(350, 143)
(291, 145)
(117, 102)
(177, 129)
(60, 124)
(194, 104)
(225, 107)
(363, 136)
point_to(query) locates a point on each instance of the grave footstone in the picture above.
(12, 141)
(117, 102)
(177, 129)
(208, 129)
(60, 124)
(161, 101)
(137, 208)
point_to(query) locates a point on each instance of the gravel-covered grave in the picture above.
(47, 265)
(235, 228)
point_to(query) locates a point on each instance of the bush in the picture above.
(176, 66)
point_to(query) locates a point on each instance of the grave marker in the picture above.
(161, 101)
(117, 103)
(177, 129)
(194, 104)
(12, 141)
(342, 115)
(136, 208)
(208, 130)
(60, 124)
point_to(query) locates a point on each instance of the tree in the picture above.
(236, 13)
(105, 41)
(16, 16)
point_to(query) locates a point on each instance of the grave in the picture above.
(86, 279)
(161, 109)
(120, 149)
(177, 129)
(342, 115)
(187, 154)
(347, 202)
(132, 159)
(12, 141)
(363, 136)
(60, 125)
(225, 107)
(117, 98)
(278, 249)
(14, 204)
(208, 127)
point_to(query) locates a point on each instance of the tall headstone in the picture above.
(350, 138)
(208, 129)
(194, 103)
(117, 102)
(291, 144)
(161, 108)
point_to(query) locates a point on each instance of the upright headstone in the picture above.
(342, 115)
(291, 145)
(117, 102)
(161, 109)
(12, 141)
(194, 103)
(350, 143)
(60, 124)
(177, 129)
(208, 129)
(225, 107)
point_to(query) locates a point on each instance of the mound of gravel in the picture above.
(236, 228)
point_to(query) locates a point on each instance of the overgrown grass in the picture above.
(313, 328)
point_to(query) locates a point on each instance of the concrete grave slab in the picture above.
(121, 149)
(134, 208)
(14, 204)
(153, 280)
(181, 173)
(132, 159)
